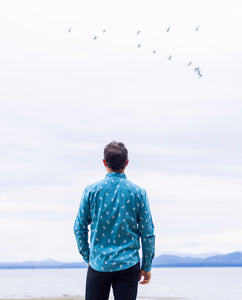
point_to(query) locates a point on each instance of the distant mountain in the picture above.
(44, 264)
(222, 260)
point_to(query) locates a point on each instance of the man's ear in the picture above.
(104, 162)
(127, 161)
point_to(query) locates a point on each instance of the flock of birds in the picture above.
(196, 69)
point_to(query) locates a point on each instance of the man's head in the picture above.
(115, 157)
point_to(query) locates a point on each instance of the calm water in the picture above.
(189, 283)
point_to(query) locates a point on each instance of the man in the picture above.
(119, 214)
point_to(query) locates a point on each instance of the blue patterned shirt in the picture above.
(119, 213)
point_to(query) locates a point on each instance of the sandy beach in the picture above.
(82, 298)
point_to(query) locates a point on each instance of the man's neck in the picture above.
(111, 171)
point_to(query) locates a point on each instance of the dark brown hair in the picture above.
(115, 155)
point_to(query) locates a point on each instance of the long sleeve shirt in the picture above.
(119, 214)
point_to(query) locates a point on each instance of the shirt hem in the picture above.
(114, 270)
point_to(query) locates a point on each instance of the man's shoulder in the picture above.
(135, 187)
(124, 182)
(97, 185)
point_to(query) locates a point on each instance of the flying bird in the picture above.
(69, 30)
(139, 45)
(197, 28)
(190, 62)
(197, 69)
(170, 56)
(104, 30)
(138, 32)
(168, 29)
(154, 51)
(95, 37)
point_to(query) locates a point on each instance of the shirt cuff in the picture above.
(146, 267)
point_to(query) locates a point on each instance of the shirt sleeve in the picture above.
(146, 233)
(83, 219)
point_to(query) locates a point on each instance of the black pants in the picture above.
(124, 284)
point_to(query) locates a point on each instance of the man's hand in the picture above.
(146, 276)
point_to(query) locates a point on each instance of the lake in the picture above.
(189, 283)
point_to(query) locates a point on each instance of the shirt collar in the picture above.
(115, 174)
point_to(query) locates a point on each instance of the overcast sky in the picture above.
(64, 96)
